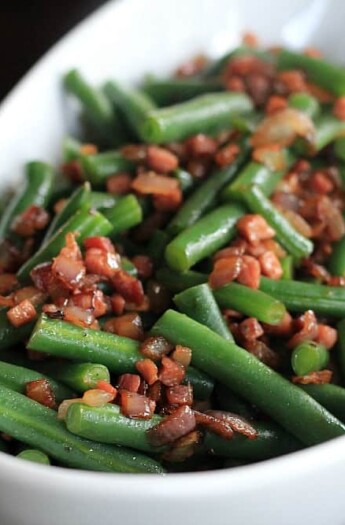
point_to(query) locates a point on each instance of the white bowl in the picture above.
(126, 39)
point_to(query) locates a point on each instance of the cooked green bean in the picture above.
(80, 199)
(39, 180)
(63, 339)
(78, 376)
(186, 180)
(287, 267)
(287, 404)
(199, 304)
(295, 243)
(204, 114)
(132, 103)
(309, 357)
(231, 402)
(299, 296)
(336, 262)
(339, 148)
(100, 200)
(124, 215)
(37, 426)
(166, 91)
(11, 335)
(203, 198)
(341, 345)
(36, 456)
(85, 223)
(16, 377)
(305, 103)
(107, 425)
(321, 72)
(270, 442)
(179, 281)
(328, 129)
(203, 238)
(202, 383)
(248, 301)
(97, 168)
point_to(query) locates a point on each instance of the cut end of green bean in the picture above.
(309, 357)
(36, 456)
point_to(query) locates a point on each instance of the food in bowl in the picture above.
(171, 297)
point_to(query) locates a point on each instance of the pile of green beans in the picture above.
(179, 131)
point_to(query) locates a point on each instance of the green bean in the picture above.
(63, 339)
(339, 148)
(16, 377)
(332, 397)
(166, 91)
(80, 198)
(202, 383)
(203, 238)
(328, 129)
(336, 262)
(328, 76)
(341, 345)
(36, 456)
(132, 103)
(230, 402)
(295, 243)
(84, 223)
(308, 357)
(125, 214)
(11, 335)
(253, 303)
(287, 267)
(299, 296)
(156, 246)
(271, 441)
(107, 425)
(97, 168)
(247, 122)
(186, 180)
(3, 445)
(233, 366)
(70, 149)
(37, 426)
(39, 180)
(78, 376)
(258, 174)
(98, 110)
(204, 114)
(100, 200)
(305, 103)
(199, 304)
(179, 281)
(204, 197)
(129, 267)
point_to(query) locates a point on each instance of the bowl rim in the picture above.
(234, 479)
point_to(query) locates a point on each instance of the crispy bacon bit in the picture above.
(7, 302)
(262, 352)
(307, 329)
(250, 328)
(41, 391)
(237, 423)
(235, 83)
(214, 424)
(171, 372)
(80, 317)
(179, 423)
(8, 282)
(270, 265)
(183, 448)
(151, 183)
(275, 103)
(129, 287)
(30, 221)
(182, 355)
(323, 96)
(180, 395)
(225, 270)
(292, 81)
(21, 314)
(94, 301)
(321, 182)
(97, 397)
(155, 347)
(129, 382)
(272, 156)
(282, 128)
(250, 272)
(136, 406)
(254, 228)
(154, 391)
(101, 243)
(339, 108)
(148, 370)
(168, 203)
(144, 265)
(100, 262)
(35, 296)
(200, 146)
(314, 378)
(68, 266)
(134, 152)
(42, 276)
(117, 303)
(127, 325)
(273, 246)
(312, 52)
(326, 336)
(192, 67)
(227, 154)
(230, 251)
(250, 39)
(119, 184)
(107, 387)
(161, 160)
